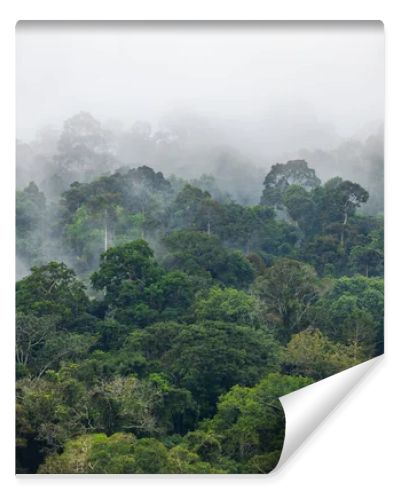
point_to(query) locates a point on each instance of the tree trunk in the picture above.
(105, 230)
(344, 224)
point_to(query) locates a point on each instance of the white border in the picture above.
(355, 452)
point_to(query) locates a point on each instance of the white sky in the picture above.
(261, 79)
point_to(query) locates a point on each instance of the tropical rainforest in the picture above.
(159, 319)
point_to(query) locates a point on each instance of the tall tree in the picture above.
(281, 176)
(288, 288)
(201, 254)
(53, 290)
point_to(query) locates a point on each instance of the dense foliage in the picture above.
(161, 322)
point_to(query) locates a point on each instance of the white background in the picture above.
(355, 453)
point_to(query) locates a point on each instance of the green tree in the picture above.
(122, 453)
(151, 457)
(326, 254)
(30, 223)
(50, 410)
(137, 290)
(209, 358)
(250, 422)
(312, 354)
(281, 176)
(133, 262)
(181, 460)
(337, 201)
(366, 260)
(94, 454)
(200, 254)
(110, 211)
(288, 288)
(40, 346)
(126, 403)
(54, 290)
(196, 209)
(300, 207)
(231, 305)
(352, 313)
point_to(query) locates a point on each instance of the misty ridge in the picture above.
(186, 146)
(150, 169)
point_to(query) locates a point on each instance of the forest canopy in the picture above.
(161, 319)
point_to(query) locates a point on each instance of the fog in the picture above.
(213, 103)
(265, 88)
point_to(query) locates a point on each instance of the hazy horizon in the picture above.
(265, 89)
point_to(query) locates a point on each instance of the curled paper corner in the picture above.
(308, 407)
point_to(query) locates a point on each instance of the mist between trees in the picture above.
(168, 293)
